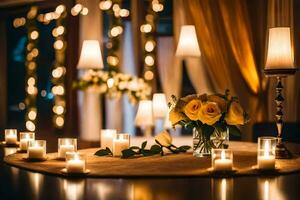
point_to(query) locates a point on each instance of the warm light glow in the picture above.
(280, 55)
(60, 9)
(113, 60)
(105, 5)
(146, 28)
(160, 107)
(149, 60)
(35, 52)
(78, 7)
(90, 56)
(31, 90)
(157, 7)
(124, 13)
(58, 72)
(58, 44)
(149, 46)
(188, 43)
(31, 65)
(58, 109)
(58, 90)
(31, 81)
(58, 31)
(148, 75)
(85, 11)
(30, 126)
(115, 31)
(144, 116)
(32, 115)
(267, 148)
(223, 155)
(34, 35)
(59, 121)
(19, 22)
(110, 82)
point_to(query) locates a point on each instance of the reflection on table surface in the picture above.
(20, 184)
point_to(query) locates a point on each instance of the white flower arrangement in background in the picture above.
(114, 85)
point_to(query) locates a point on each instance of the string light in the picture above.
(148, 30)
(105, 5)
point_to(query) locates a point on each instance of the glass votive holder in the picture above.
(222, 159)
(36, 150)
(120, 143)
(266, 153)
(25, 137)
(75, 162)
(66, 145)
(11, 136)
(106, 139)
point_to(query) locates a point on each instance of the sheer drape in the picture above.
(225, 40)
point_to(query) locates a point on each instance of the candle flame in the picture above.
(223, 156)
(266, 149)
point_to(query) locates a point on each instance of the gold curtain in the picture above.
(225, 37)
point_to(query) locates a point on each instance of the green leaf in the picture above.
(155, 149)
(103, 152)
(233, 130)
(127, 153)
(146, 152)
(183, 148)
(144, 144)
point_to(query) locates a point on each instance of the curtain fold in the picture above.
(225, 39)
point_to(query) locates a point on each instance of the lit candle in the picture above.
(66, 145)
(11, 136)
(107, 136)
(223, 164)
(266, 161)
(120, 143)
(75, 164)
(36, 149)
(25, 137)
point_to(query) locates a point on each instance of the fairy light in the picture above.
(59, 70)
(148, 30)
(115, 13)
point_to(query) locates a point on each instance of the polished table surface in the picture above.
(20, 184)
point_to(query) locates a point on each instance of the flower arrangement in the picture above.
(114, 85)
(211, 116)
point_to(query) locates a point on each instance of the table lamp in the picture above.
(160, 107)
(279, 64)
(188, 44)
(90, 56)
(144, 117)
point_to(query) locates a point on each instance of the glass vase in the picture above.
(202, 144)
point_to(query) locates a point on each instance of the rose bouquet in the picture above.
(212, 118)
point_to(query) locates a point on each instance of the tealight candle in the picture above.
(11, 136)
(266, 153)
(66, 145)
(36, 149)
(25, 137)
(222, 160)
(120, 143)
(107, 136)
(75, 162)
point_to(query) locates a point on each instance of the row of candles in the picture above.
(67, 147)
(222, 159)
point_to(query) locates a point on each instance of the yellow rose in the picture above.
(175, 116)
(219, 100)
(164, 138)
(192, 109)
(235, 115)
(209, 113)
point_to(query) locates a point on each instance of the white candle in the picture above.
(75, 165)
(107, 136)
(64, 148)
(266, 161)
(35, 152)
(24, 143)
(11, 139)
(223, 164)
(119, 145)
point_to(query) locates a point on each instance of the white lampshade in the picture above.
(280, 54)
(144, 116)
(160, 107)
(90, 56)
(188, 44)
